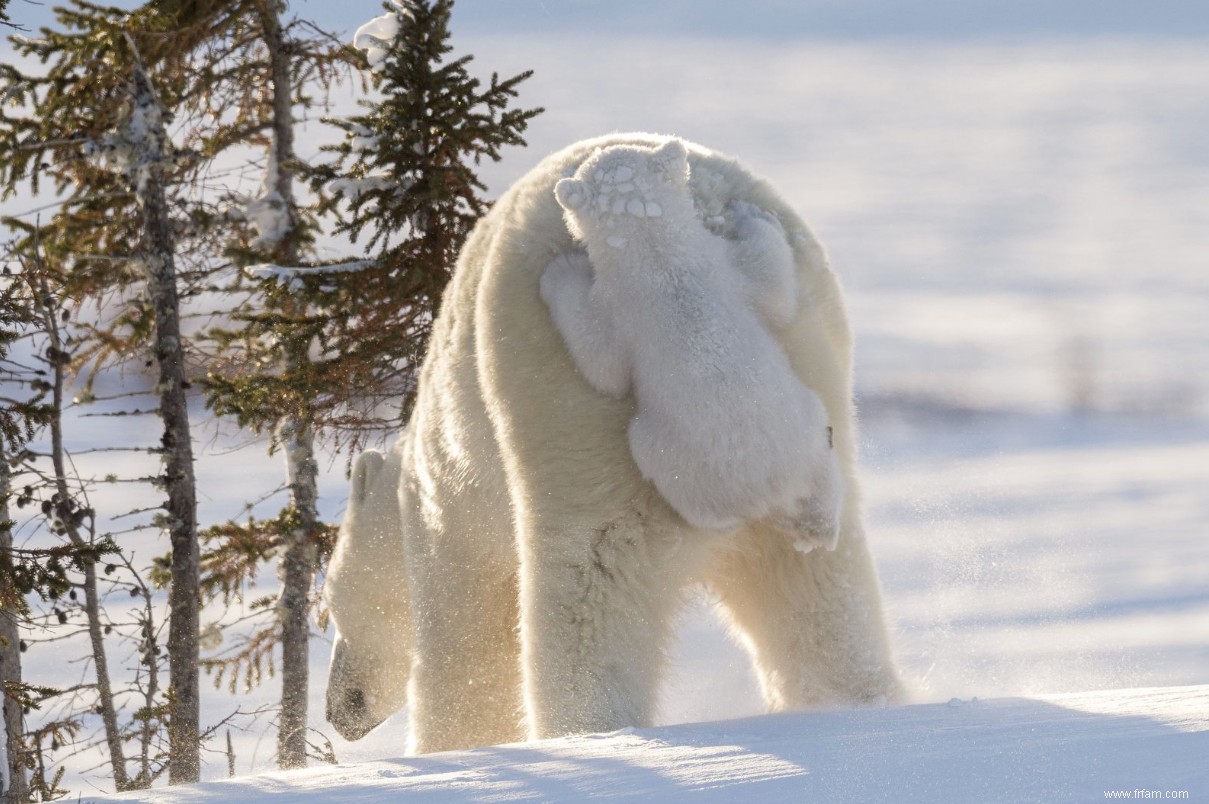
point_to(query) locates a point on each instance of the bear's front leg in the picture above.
(762, 257)
(465, 680)
(586, 326)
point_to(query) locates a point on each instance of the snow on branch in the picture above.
(268, 213)
(362, 139)
(137, 144)
(290, 277)
(375, 36)
(353, 189)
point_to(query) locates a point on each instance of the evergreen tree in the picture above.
(320, 350)
(404, 177)
(36, 292)
(64, 568)
(235, 72)
(18, 419)
(295, 432)
(95, 125)
(245, 45)
(335, 340)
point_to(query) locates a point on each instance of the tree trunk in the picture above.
(13, 785)
(184, 761)
(295, 434)
(92, 600)
(298, 574)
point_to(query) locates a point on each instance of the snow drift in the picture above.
(1131, 744)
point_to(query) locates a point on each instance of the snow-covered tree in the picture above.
(404, 177)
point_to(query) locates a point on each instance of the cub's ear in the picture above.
(365, 472)
(671, 159)
(572, 194)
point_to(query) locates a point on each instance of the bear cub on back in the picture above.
(685, 319)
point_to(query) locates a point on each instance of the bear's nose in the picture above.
(348, 713)
(347, 706)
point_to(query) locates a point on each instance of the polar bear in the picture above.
(542, 570)
(663, 308)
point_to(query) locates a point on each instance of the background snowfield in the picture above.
(1021, 228)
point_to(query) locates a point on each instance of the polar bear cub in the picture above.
(661, 306)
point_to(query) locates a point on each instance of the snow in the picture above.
(267, 212)
(375, 36)
(352, 189)
(291, 277)
(135, 146)
(1044, 749)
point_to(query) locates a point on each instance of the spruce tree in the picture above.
(94, 124)
(323, 350)
(279, 232)
(256, 74)
(19, 417)
(95, 128)
(295, 431)
(404, 178)
(336, 340)
(48, 485)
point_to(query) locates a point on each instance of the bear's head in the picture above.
(366, 593)
(624, 186)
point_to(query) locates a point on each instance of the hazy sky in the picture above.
(830, 18)
(846, 19)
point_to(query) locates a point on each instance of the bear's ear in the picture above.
(365, 471)
(671, 159)
(571, 194)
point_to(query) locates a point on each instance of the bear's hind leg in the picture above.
(813, 620)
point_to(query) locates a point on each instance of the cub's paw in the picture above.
(750, 221)
(567, 276)
(814, 521)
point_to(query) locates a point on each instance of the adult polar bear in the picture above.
(520, 505)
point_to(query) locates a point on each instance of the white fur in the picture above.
(543, 570)
(366, 592)
(663, 308)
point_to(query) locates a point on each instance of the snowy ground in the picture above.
(1064, 748)
(1021, 229)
